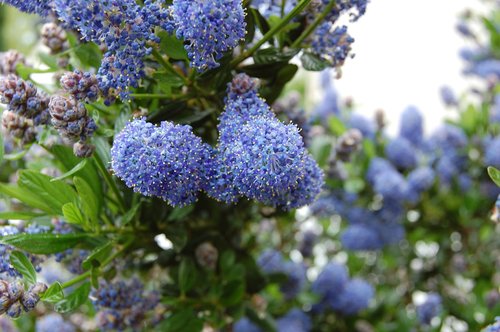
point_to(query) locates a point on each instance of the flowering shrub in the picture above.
(162, 180)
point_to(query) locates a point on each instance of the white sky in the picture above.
(405, 51)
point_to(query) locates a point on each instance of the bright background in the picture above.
(405, 51)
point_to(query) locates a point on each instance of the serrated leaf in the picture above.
(23, 265)
(45, 243)
(72, 171)
(72, 214)
(494, 175)
(53, 294)
(89, 202)
(312, 62)
(54, 194)
(74, 300)
(97, 256)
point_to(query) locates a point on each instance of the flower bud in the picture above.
(207, 255)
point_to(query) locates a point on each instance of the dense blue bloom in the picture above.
(495, 109)
(429, 309)
(391, 185)
(82, 85)
(446, 138)
(361, 237)
(329, 105)
(363, 124)
(209, 27)
(165, 161)
(53, 322)
(421, 179)
(273, 7)
(492, 153)
(401, 153)
(355, 297)
(331, 280)
(40, 7)
(245, 325)
(411, 125)
(357, 8)
(332, 45)
(271, 261)
(307, 243)
(296, 279)
(377, 166)
(447, 169)
(125, 28)
(294, 321)
(488, 69)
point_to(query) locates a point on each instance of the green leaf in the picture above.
(180, 213)
(26, 196)
(312, 62)
(89, 202)
(187, 275)
(23, 265)
(72, 171)
(53, 294)
(24, 71)
(494, 175)
(172, 46)
(19, 215)
(272, 55)
(182, 321)
(336, 126)
(49, 60)
(89, 54)
(98, 256)
(233, 292)
(127, 217)
(55, 194)
(74, 300)
(73, 215)
(260, 20)
(45, 243)
(226, 261)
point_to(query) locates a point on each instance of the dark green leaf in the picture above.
(169, 79)
(54, 194)
(259, 20)
(127, 217)
(182, 321)
(172, 46)
(72, 171)
(98, 256)
(272, 55)
(54, 293)
(26, 196)
(23, 265)
(233, 292)
(312, 62)
(45, 243)
(494, 175)
(187, 275)
(180, 213)
(226, 261)
(74, 300)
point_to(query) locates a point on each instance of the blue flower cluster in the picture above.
(274, 7)
(258, 156)
(429, 309)
(165, 161)
(122, 305)
(495, 327)
(54, 322)
(210, 28)
(293, 321)
(338, 292)
(124, 28)
(14, 299)
(40, 7)
(24, 99)
(333, 45)
(81, 86)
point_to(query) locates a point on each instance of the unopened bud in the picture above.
(207, 255)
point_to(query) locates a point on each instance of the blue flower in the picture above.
(429, 309)
(492, 153)
(271, 261)
(355, 297)
(54, 322)
(448, 96)
(411, 125)
(165, 161)
(495, 327)
(210, 28)
(331, 280)
(363, 124)
(296, 279)
(401, 153)
(421, 179)
(245, 325)
(333, 45)
(294, 321)
(40, 7)
(361, 237)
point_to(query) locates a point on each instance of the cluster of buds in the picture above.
(207, 255)
(14, 299)
(24, 99)
(347, 144)
(19, 127)
(55, 38)
(9, 61)
(83, 86)
(70, 118)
